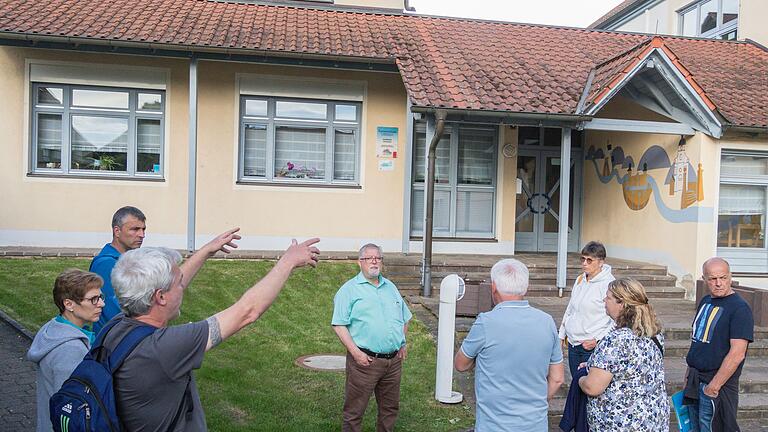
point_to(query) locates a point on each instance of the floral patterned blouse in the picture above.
(636, 399)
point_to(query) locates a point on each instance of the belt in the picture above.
(379, 355)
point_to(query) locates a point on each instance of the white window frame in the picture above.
(271, 122)
(132, 114)
(720, 28)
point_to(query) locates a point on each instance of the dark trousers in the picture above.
(382, 378)
(576, 356)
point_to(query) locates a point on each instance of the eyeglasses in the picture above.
(587, 260)
(372, 259)
(95, 299)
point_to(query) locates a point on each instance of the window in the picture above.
(299, 141)
(710, 18)
(465, 181)
(743, 198)
(78, 130)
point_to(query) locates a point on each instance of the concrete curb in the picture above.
(16, 326)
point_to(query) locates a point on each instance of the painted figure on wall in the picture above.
(638, 186)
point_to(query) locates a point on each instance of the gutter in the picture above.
(385, 64)
(440, 116)
(506, 114)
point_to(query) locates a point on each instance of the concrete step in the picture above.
(754, 376)
(679, 348)
(654, 292)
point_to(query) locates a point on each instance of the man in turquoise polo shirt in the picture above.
(371, 319)
(516, 351)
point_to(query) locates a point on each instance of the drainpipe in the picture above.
(192, 191)
(439, 121)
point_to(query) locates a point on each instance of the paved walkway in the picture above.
(17, 381)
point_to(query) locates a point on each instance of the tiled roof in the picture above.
(619, 9)
(451, 63)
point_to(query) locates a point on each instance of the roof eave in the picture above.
(379, 64)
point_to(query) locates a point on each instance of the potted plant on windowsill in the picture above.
(105, 163)
(292, 170)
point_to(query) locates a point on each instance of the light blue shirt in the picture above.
(374, 316)
(513, 346)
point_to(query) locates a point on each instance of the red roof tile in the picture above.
(452, 63)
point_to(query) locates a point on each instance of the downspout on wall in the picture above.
(439, 122)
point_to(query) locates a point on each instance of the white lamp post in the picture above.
(451, 290)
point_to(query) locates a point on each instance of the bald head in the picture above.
(717, 275)
(716, 262)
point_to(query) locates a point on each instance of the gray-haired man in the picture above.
(155, 389)
(517, 353)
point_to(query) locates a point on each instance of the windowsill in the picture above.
(298, 185)
(95, 177)
(458, 239)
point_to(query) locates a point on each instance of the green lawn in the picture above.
(250, 383)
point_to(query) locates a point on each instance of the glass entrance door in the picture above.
(538, 205)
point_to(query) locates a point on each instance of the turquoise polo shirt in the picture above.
(374, 316)
(513, 346)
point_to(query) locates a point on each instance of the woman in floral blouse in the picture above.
(626, 372)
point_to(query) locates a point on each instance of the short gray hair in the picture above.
(369, 246)
(510, 277)
(139, 273)
(118, 219)
(714, 260)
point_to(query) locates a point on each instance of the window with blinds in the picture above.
(742, 205)
(104, 131)
(299, 141)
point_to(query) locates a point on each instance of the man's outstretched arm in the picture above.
(223, 242)
(259, 297)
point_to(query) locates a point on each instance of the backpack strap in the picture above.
(658, 345)
(127, 345)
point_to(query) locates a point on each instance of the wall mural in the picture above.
(638, 186)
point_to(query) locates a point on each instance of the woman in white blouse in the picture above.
(585, 321)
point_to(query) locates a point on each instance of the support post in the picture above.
(435, 127)
(192, 186)
(565, 196)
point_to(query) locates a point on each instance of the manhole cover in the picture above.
(323, 362)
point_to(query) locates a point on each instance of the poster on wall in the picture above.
(386, 142)
(386, 165)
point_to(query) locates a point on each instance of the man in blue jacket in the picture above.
(128, 230)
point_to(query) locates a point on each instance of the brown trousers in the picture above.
(381, 377)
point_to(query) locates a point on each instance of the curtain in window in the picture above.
(442, 158)
(99, 143)
(148, 142)
(441, 213)
(474, 212)
(255, 157)
(476, 154)
(742, 199)
(299, 152)
(49, 131)
(743, 165)
(344, 154)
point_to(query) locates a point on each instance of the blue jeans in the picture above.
(576, 356)
(702, 413)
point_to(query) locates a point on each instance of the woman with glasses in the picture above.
(585, 321)
(625, 382)
(62, 342)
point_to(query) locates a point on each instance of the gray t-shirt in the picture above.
(156, 378)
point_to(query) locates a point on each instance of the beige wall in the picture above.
(270, 215)
(77, 212)
(678, 241)
(663, 18)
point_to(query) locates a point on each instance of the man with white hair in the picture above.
(154, 388)
(371, 320)
(517, 354)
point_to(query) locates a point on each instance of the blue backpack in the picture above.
(86, 400)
